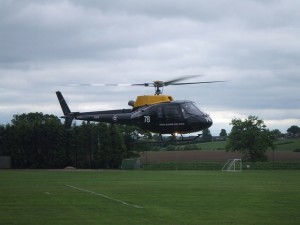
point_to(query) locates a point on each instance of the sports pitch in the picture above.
(149, 197)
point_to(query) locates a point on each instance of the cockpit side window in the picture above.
(172, 112)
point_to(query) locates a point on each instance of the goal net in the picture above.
(233, 165)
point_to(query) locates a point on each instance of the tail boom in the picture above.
(120, 116)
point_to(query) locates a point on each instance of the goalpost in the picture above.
(233, 165)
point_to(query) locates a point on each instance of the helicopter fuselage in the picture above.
(171, 117)
(164, 118)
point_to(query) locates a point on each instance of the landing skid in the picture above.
(172, 139)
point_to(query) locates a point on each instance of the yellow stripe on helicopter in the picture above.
(152, 99)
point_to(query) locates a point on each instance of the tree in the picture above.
(37, 141)
(5, 140)
(250, 137)
(276, 133)
(118, 148)
(223, 133)
(206, 135)
(293, 130)
(133, 135)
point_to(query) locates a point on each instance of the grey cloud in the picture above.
(253, 45)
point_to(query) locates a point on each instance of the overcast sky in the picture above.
(252, 44)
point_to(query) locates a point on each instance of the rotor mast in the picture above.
(158, 85)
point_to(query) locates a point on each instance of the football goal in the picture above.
(233, 165)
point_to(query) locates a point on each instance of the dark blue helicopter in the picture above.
(155, 113)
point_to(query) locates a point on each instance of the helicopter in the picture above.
(157, 113)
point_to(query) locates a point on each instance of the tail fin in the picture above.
(66, 110)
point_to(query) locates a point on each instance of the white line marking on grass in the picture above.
(104, 196)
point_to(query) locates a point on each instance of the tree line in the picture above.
(35, 140)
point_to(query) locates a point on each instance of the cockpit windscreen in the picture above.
(190, 108)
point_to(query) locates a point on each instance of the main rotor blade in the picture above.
(157, 84)
(162, 83)
(180, 79)
(98, 85)
(144, 84)
(200, 82)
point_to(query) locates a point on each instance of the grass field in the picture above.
(281, 145)
(149, 197)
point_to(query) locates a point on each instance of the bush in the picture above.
(192, 147)
(170, 148)
(156, 148)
